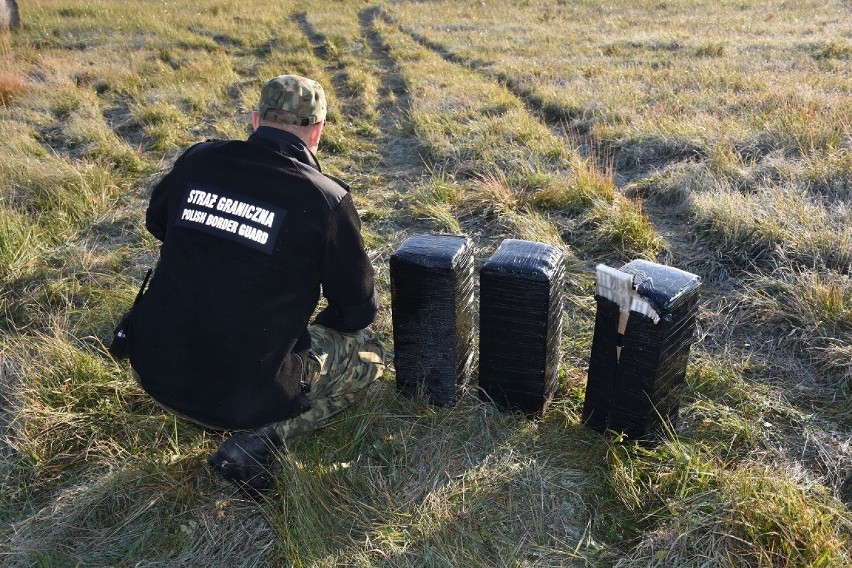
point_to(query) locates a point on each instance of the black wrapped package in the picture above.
(644, 328)
(432, 304)
(520, 322)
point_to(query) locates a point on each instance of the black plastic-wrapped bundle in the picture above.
(432, 303)
(644, 328)
(520, 322)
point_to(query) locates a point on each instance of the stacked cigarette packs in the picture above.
(521, 303)
(432, 302)
(644, 328)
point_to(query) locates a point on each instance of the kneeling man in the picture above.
(251, 232)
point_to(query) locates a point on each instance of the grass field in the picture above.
(713, 136)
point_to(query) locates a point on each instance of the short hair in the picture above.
(301, 131)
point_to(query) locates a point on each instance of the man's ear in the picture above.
(315, 135)
(255, 119)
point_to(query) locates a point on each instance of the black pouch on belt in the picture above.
(118, 347)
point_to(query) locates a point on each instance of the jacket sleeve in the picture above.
(348, 280)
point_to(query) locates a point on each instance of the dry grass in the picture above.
(12, 86)
(612, 131)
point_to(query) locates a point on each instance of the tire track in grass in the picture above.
(580, 194)
(571, 126)
(390, 117)
(568, 124)
(396, 151)
(323, 51)
(382, 126)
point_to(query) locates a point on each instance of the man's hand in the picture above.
(245, 459)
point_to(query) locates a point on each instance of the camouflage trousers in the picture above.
(340, 367)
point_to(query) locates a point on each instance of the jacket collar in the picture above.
(285, 143)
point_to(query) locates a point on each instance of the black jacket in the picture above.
(251, 230)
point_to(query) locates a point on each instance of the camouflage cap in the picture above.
(291, 99)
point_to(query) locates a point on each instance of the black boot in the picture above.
(245, 459)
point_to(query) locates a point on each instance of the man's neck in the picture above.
(285, 143)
